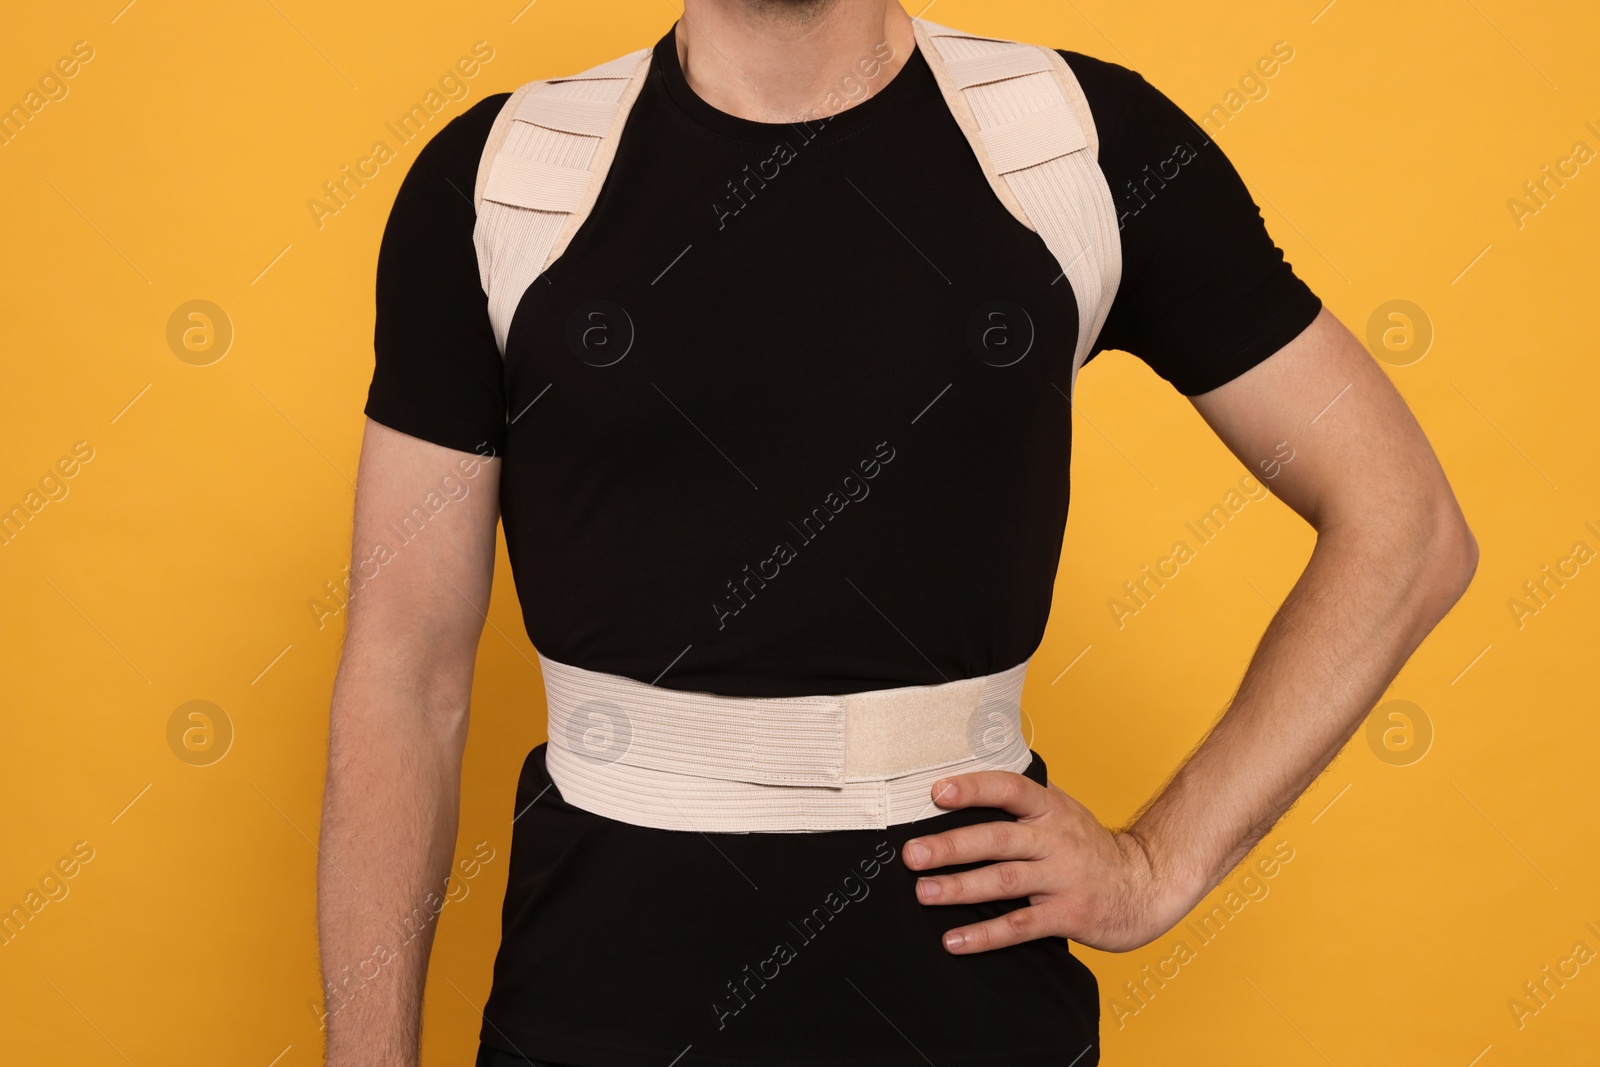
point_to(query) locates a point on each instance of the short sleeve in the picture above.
(438, 374)
(1205, 294)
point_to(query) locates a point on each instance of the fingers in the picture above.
(1031, 861)
(973, 844)
(997, 881)
(1007, 790)
(1012, 928)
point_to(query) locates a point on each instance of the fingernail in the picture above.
(954, 940)
(943, 790)
(927, 888)
(917, 853)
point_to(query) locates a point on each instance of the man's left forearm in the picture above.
(1366, 600)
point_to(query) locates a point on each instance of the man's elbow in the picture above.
(1426, 551)
(406, 677)
(1450, 558)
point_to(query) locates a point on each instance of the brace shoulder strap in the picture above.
(541, 171)
(1028, 122)
(1020, 106)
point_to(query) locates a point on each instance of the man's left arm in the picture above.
(1393, 554)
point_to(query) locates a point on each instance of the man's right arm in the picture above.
(397, 730)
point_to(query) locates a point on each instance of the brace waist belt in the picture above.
(678, 760)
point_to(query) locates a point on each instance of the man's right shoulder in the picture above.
(454, 151)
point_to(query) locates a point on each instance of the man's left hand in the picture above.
(1082, 881)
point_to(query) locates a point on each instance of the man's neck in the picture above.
(782, 60)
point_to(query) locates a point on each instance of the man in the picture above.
(752, 357)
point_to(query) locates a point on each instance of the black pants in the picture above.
(493, 1057)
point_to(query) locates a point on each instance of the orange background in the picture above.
(180, 562)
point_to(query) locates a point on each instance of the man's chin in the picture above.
(800, 11)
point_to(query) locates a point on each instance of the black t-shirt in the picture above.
(757, 441)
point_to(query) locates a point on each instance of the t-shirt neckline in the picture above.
(883, 102)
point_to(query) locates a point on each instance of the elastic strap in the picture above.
(1029, 124)
(683, 760)
(540, 174)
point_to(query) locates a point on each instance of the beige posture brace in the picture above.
(673, 760)
(1019, 105)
